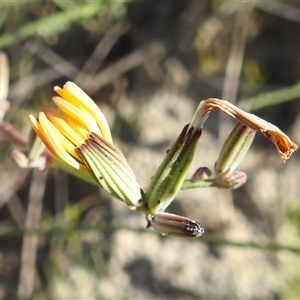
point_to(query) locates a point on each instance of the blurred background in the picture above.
(148, 64)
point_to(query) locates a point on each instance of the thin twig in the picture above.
(13, 135)
(17, 210)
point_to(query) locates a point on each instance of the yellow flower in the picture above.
(79, 136)
(62, 131)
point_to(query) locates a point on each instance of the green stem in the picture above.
(52, 24)
(271, 246)
(188, 184)
(209, 240)
(271, 98)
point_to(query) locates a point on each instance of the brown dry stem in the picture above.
(284, 145)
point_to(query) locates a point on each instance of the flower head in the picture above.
(63, 131)
(79, 137)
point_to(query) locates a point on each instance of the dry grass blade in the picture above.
(30, 241)
(278, 8)
(230, 90)
(59, 64)
(4, 76)
(99, 54)
(132, 60)
(235, 59)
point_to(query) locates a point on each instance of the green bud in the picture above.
(170, 175)
(235, 148)
(109, 167)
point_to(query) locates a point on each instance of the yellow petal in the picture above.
(78, 97)
(64, 127)
(37, 128)
(60, 146)
(78, 126)
(78, 114)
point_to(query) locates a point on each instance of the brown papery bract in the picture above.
(284, 145)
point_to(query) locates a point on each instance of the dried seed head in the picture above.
(174, 225)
